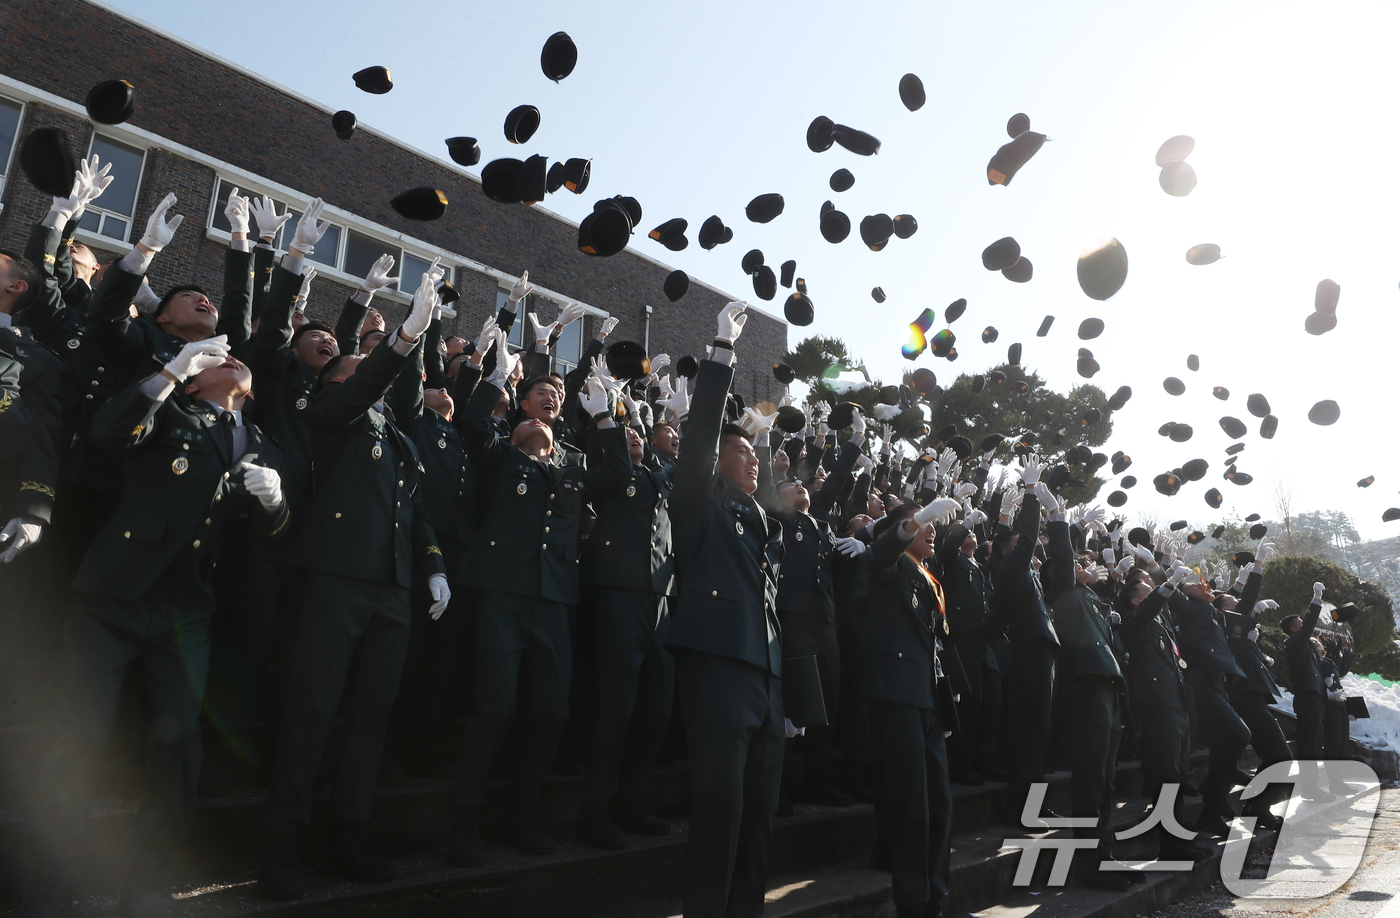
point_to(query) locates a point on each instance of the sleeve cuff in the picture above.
(136, 262)
(722, 355)
(52, 219)
(293, 263)
(157, 387)
(361, 297)
(240, 245)
(401, 347)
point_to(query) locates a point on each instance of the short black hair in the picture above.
(328, 371)
(175, 291)
(1002, 540)
(529, 385)
(310, 326)
(733, 430)
(22, 268)
(897, 515)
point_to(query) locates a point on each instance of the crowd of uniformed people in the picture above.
(591, 572)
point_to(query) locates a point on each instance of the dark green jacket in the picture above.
(182, 487)
(528, 543)
(728, 551)
(1081, 618)
(1200, 632)
(283, 386)
(14, 416)
(629, 547)
(366, 519)
(1155, 676)
(903, 623)
(29, 478)
(1248, 654)
(1017, 596)
(1304, 664)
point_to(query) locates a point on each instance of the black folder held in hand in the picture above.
(802, 692)
(1356, 707)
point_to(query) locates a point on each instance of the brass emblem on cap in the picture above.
(74, 344)
(521, 488)
(377, 451)
(180, 466)
(631, 490)
(301, 403)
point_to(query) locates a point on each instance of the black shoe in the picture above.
(968, 777)
(1111, 880)
(596, 828)
(146, 903)
(1241, 778)
(521, 831)
(822, 793)
(354, 859)
(280, 876)
(1316, 794)
(464, 845)
(993, 773)
(1212, 823)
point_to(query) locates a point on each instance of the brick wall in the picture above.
(66, 46)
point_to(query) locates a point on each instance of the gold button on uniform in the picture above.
(196, 543)
(126, 535)
(337, 516)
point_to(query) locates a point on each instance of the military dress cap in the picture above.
(1120, 398)
(978, 382)
(374, 80)
(465, 151)
(752, 261)
(1013, 354)
(791, 419)
(1001, 254)
(1319, 323)
(1175, 149)
(820, 134)
(954, 311)
(577, 171)
(878, 294)
(876, 230)
(923, 381)
(1012, 156)
(688, 366)
(1128, 481)
(554, 179)
(989, 335)
(942, 343)
(1045, 324)
(1021, 272)
(606, 231)
(905, 226)
(1218, 531)
(1215, 499)
(1268, 427)
(1090, 329)
(1102, 268)
(1017, 125)
(1180, 433)
(961, 446)
(789, 268)
(1196, 537)
(1258, 531)
(1238, 478)
(1234, 449)
(1117, 499)
(1178, 525)
(559, 56)
(676, 285)
(500, 180)
(627, 360)
(835, 225)
(1167, 483)
(531, 184)
(1391, 515)
(842, 415)
(798, 309)
(1346, 612)
(1366, 482)
(111, 101)
(1193, 363)
(521, 123)
(47, 161)
(1325, 413)
(784, 373)
(1173, 385)
(712, 232)
(1087, 366)
(420, 203)
(1121, 462)
(1195, 470)
(858, 142)
(1221, 393)
(343, 123)
(889, 395)
(1258, 405)
(1234, 428)
(1177, 179)
(1241, 558)
(765, 283)
(991, 441)
(1207, 253)
(671, 234)
(911, 92)
(764, 208)
(841, 180)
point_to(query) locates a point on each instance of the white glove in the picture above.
(1328, 680)
(442, 595)
(539, 332)
(679, 401)
(941, 510)
(850, 546)
(1044, 497)
(1030, 474)
(1265, 552)
(1264, 605)
(238, 213)
(761, 423)
(310, 229)
(1123, 567)
(486, 338)
(378, 277)
(1253, 635)
(308, 274)
(792, 730)
(264, 484)
(20, 535)
(659, 363)
(1114, 618)
(974, 518)
(945, 462)
(593, 397)
(966, 489)
(1093, 516)
(1108, 556)
(266, 216)
(146, 299)
(519, 290)
(198, 356)
(730, 322)
(505, 362)
(1141, 552)
(858, 426)
(571, 313)
(159, 231)
(1268, 660)
(1177, 576)
(1317, 592)
(88, 185)
(606, 329)
(425, 299)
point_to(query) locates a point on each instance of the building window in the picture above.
(218, 221)
(9, 130)
(112, 213)
(412, 270)
(362, 251)
(569, 349)
(327, 251)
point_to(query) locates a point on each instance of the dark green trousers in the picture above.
(104, 639)
(523, 653)
(1093, 722)
(1265, 735)
(804, 636)
(1223, 733)
(351, 633)
(974, 746)
(914, 802)
(1164, 740)
(733, 715)
(636, 681)
(1034, 673)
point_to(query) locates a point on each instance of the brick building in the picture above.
(203, 124)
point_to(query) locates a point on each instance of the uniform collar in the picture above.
(6, 320)
(219, 412)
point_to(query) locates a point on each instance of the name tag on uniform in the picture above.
(189, 436)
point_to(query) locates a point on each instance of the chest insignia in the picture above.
(376, 451)
(739, 527)
(631, 490)
(301, 403)
(799, 535)
(915, 600)
(521, 488)
(180, 466)
(74, 344)
(442, 443)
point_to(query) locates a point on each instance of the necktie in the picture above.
(227, 422)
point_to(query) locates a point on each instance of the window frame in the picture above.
(8, 160)
(103, 212)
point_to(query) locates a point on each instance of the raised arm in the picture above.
(236, 306)
(694, 477)
(825, 499)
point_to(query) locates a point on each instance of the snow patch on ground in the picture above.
(1382, 729)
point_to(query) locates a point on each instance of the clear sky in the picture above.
(696, 108)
